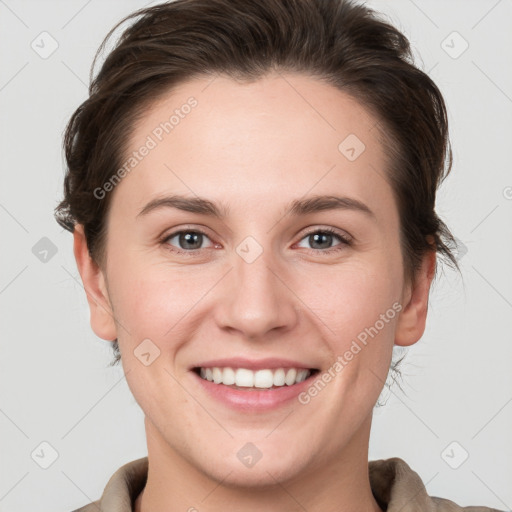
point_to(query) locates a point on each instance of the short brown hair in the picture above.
(341, 42)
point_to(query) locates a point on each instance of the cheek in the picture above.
(149, 298)
(359, 307)
(152, 304)
(352, 297)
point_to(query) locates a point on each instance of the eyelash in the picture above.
(345, 241)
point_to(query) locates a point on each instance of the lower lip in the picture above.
(252, 400)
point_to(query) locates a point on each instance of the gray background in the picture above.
(55, 383)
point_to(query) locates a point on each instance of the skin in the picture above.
(255, 147)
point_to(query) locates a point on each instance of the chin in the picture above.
(253, 467)
(263, 474)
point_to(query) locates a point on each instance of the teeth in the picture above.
(217, 375)
(302, 375)
(279, 377)
(228, 376)
(291, 375)
(244, 378)
(263, 379)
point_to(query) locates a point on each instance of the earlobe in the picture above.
(101, 314)
(412, 320)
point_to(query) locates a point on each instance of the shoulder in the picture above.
(443, 505)
(92, 507)
(398, 487)
(121, 489)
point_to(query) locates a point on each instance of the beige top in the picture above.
(395, 486)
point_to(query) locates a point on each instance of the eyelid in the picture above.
(345, 239)
(328, 229)
(184, 229)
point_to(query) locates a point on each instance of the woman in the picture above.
(251, 189)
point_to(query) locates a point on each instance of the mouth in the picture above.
(265, 379)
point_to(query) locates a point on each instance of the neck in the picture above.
(339, 483)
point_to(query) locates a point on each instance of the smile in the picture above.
(243, 378)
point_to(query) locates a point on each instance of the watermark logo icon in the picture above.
(44, 250)
(454, 455)
(454, 45)
(249, 249)
(44, 45)
(351, 147)
(147, 352)
(249, 455)
(44, 455)
(460, 249)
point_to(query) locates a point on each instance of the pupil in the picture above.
(188, 238)
(316, 237)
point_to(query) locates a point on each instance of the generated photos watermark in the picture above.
(151, 142)
(343, 360)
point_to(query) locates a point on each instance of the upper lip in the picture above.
(252, 364)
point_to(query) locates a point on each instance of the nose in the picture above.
(256, 299)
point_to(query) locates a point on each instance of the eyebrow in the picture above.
(296, 208)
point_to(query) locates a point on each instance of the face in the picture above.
(278, 279)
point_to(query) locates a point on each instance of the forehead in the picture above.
(282, 134)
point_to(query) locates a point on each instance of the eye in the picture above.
(188, 241)
(323, 238)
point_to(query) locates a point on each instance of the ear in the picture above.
(102, 317)
(412, 320)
